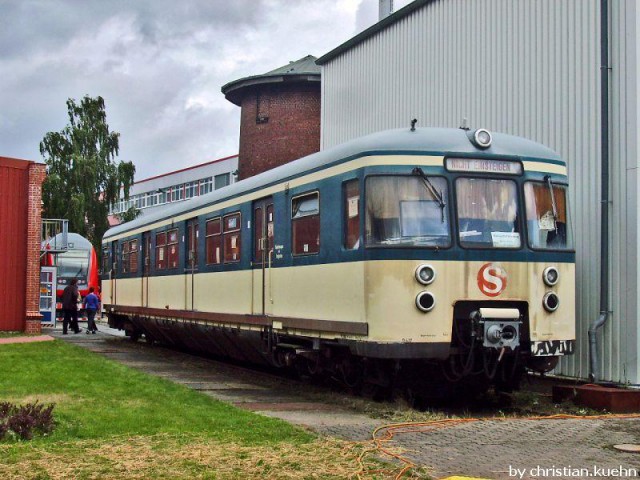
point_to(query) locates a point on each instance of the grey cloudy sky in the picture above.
(159, 65)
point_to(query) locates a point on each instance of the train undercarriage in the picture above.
(489, 349)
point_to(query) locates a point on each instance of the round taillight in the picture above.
(550, 276)
(425, 301)
(425, 274)
(551, 302)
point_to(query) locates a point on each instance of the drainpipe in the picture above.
(604, 202)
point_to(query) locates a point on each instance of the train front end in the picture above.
(472, 257)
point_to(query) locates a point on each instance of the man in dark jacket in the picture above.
(70, 306)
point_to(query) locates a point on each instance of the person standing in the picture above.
(91, 305)
(70, 306)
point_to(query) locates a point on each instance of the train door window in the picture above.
(191, 259)
(130, 256)
(258, 215)
(305, 224)
(231, 238)
(351, 199)
(270, 227)
(106, 261)
(146, 253)
(263, 229)
(125, 257)
(213, 241)
(172, 248)
(161, 251)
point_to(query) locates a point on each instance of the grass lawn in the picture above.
(116, 422)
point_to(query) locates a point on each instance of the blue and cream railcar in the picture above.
(437, 253)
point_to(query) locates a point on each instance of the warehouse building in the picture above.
(563, 73)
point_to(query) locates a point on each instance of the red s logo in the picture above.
(492, 279)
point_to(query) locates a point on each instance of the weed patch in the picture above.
(23, 421)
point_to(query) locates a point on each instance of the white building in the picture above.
(177, 186)
(530, 68)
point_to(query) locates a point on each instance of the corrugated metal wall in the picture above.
(529, 68)
(14, 196)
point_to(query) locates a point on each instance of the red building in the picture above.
(20, 222)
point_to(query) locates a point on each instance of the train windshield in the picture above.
(407, 211)
(488, 213)
(73, 263)
(548, 221)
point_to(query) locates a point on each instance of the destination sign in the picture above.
(479, 165)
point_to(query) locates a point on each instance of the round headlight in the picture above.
(482, 138)
(425, 274)
(551, 302)
(425, 301)
(551, 276)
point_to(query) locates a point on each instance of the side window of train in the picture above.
(161, 251)
(351, 200)
(231, 237)
(130, 256)
(172, 248)
(213, 241)
(305, 224)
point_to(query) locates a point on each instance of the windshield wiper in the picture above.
(431, 189)
(554, 209)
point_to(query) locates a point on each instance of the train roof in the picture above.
(77, 240)
(427, 141)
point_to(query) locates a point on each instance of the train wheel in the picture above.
(352, 375)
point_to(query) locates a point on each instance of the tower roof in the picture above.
(300, 71)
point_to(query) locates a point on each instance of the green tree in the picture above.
(128, 215)
(83, 177)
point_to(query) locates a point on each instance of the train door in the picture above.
(263, 230)
(146, 267)
(191, 263)
(114, 270)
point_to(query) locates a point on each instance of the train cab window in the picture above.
(488, 213)
(231, 237)
(172, 248)
(351, 199)
(130, 256)
(161, 251)
(213, 241)
(548, 222)
(305, 224)
(407, 211)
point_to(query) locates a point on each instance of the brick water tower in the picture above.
(280, 117)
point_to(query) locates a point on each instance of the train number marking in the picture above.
(492, 279)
